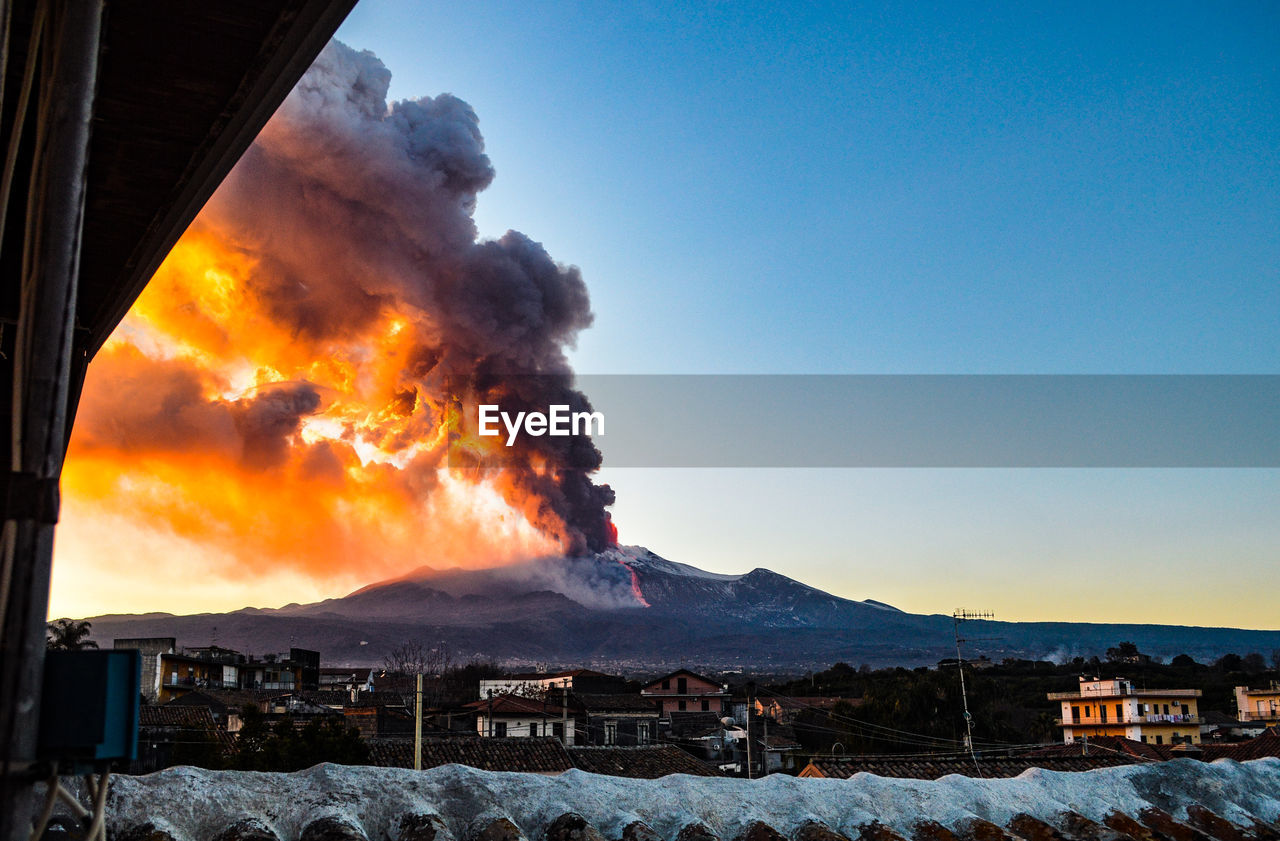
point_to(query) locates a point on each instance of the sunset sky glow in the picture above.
(742, 188)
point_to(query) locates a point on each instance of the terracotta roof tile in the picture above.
(934, 768)
(537, 755)
(648, 762)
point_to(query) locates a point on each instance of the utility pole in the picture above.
(958, 616)
(417, 725)
(564, 713)
(751, 691)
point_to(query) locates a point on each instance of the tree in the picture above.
(1254, 663)
(1229, 662)
(1275, 659)
(69, 635)
(414, 658)
(1125, 652)
(1183, 661)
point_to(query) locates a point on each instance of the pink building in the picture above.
(685, 691)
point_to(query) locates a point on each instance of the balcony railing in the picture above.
(197, 682)
(1136, 693)
(1271, 715)
(1094, 721)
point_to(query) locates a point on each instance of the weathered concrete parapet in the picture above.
(1180, 800)
(572, 827)
(144, 832)
(639, 831)
(248, 829)
(496, 829)
(976, 829)
(760, 831)
(1164, 824)
(697, 831)
(876, 831)
(1076, 825)
(418, 826)
(1033, 829)
(1214, 825)
(332, 828)
(816, 831)
(932, 831)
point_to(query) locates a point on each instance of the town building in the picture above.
(1259, 705)
(506, 716)
(686, 691)
(785, 709)
(170, 672)
(618, 719)
(1115, 708)
(537, 684)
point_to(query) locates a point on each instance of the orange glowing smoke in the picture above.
(280, 391)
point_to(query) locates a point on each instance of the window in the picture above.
(682, 706)
(557, 730)
(533, 728)
(1166, 709)
(1119, 712)
(1102, 712)
(500, 729)
(1159, 739)
(642, 733)
(611, 732)
(682, 685)
(1075, 713)
(1086, 712)
(706, 706)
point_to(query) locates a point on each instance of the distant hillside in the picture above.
(630, 609)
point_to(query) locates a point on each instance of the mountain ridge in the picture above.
(632, 610)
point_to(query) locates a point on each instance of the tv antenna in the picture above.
(957, 616)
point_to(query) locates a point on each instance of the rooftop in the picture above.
(648, 762)
(933, 768)
(534, 755)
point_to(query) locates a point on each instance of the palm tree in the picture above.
(70, 635)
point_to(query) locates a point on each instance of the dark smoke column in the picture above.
(355, 212)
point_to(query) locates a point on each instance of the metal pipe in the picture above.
(417, 725)
(41, 376)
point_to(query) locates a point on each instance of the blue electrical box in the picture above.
(89, 707)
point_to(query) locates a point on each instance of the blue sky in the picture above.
(903, 188)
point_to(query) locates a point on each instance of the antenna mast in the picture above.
(961, 615)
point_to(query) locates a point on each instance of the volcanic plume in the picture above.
(283, 388)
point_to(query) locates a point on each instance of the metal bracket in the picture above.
(26, 496)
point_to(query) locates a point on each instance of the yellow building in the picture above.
(1258, 704)
(1114, 708)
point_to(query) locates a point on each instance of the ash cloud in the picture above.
(348, 229)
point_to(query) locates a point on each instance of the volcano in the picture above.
(631, 610)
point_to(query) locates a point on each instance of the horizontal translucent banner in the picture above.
(877, 421)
